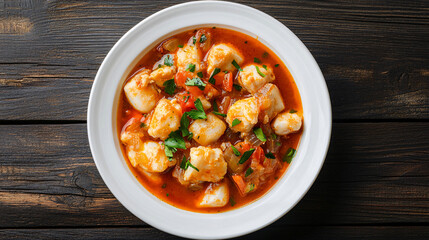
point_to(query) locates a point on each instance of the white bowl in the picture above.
(105, 146)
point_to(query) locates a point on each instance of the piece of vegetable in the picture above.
(203, 38)
(277, 65)
(171, 44)
(236, 65)
(235, 122)
(197, 82)
(190, 67)
(236, 152)
(256, 60)
(290, 153)
(270, 155)
(200, 74)
(199, 112)
(260, 134)
(237, 87)
(293, 111)
(227, 82)
(265, 67)
(240, 184)
(211, 79)
(246, 155)
(168, 61)
(170, 86)
(175, 140)
(248, 172)
(259, 72)
(232, 201)
(219, 114)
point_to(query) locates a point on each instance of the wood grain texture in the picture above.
(375, 173)
(374, 55)
(290, 232)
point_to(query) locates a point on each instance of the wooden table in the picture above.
(373, 54)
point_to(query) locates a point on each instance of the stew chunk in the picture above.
(286, 123)
(165, 119)
(271, 102)
(141, 95)
(216, 195)
(243, 115)
(253, 77)
(221, 56)
(208, 130)
(188, 55)
(210, 164)
(162, 74)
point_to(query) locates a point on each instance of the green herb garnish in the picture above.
(290, 153)
(237, 87)
(293, 111)
(232, 201)
(256, 60)
(194, 40)
(215, 107)
(264, 66)
(185, 164)
(220, 114)
(235, 122)
(180, 46)
(260, 134)
(277, 65)
(246, 155)
(164, 185)
(175, 140)
(184, 125)
(190, 67)
(235, 150)
(168, 61)
(236, 65)
(170, 86)
(252, 186)
(199, 112)
(196, 81)
(259, 71)
(265, 55)
(203, 38)
(142, 125)
(273, 136)
(248, 172)
(211, 79)
(200, 74)
(270, 155)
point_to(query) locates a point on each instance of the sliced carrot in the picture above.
(240, 184)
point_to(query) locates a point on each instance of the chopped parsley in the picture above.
(277, 65)
(265, 55)
(248, 172)
(232, 201)
(196, 81)
(236, 65)
(170, 86)
(260, 134)
(194, 40)
(185, 164)
(235, 150)
(264, 66)
(180, 46)
(199, 112)
(237, 87)
(200, 74)
(220, 114)
(164, 185)
(142, 125)
(235, 122)
(211, 79)
(168, 61)
(174, 140)
(259, 71)
(273, 136)
(190, 67)
(184, 125)
(246, 155)
(215, 107)
(203, 38)
(293, 111)
(252, 186)
(290, 153)
(256, 60)
(270, 155)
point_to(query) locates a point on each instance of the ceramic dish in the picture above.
(105, 145)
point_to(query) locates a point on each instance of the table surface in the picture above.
(373, 54)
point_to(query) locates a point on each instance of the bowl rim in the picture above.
(95, 125)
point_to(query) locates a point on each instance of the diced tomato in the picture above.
(258, 155)
(242, 147)
(227, 82)
(240, 184)
(186, 101)
(219, 78)
(181, 77)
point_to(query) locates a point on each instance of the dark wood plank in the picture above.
(374, 55)
(375, 173)
(292, 232)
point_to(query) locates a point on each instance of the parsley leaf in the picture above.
(248, 172)
(180, 46)
(235, 150)
(265, 55)
(168, 61)
(199, 112)
(260, 134)
(169, 152)
(236, 65)
(256, 60)
(246, 155)
(203, 38)
(190, 67)
(185, 164)
(259, 71)
(184, 125)
(220, 114)
(264, 66)
(170, 86)
(237, 87)
(276, 65)
(142, 125)
(196, 81)
(200, 74)
(290, 153)
(192, 166)
(211, 79)
(174, 140)
(232, 201)
(235, 122)
(194, 40)
(215, 107)
(270, 155)
(293, 111)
